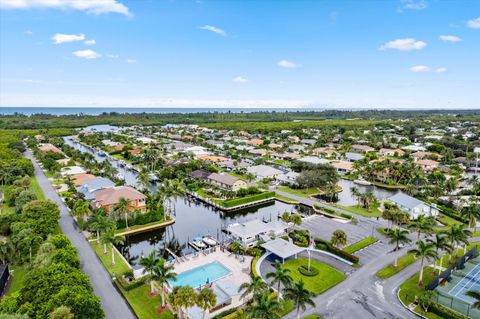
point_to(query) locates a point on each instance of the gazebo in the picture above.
(282, 248)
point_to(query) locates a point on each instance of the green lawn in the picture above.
(306, 193)
(447, 220)
(134, 227)
(37, 189)
(409, 289)
(312, 317)
(390, 270)
(326, 278)
(120, 266)
(373, 212)
(285, 199)
(245, 200)
(476, 233)
(19, 273)
(145, 306)
(360, 244)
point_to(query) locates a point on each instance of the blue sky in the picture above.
(187, 53)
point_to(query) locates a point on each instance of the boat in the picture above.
(363, 182)
(120, 177)
(209, 240)
(101, 153)
(199, 243)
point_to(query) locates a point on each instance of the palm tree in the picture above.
(100, 223)
(206, 300)
(440, 242)
(424, 251)
(355, 194)
(122, 207)
(143, 179)
(339, 238)
(80, 209)
(458, 234)
(300, 296)
(177, 189)
(422, 225)
(281, 276)
(472, 214)
(256, 287)
(162, 273)
(6, 249)
(398, 236)
(264, 307)
(187, 298)
(148, 264)
(475, 295)
(109, 237)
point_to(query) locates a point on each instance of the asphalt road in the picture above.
(362, 295)
(113, 303)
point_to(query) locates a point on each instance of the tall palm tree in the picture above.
(281, 276)
(177, 189)
(475, 295)
(355, 193)
(256, 287)
(122, 207)
(162, 273)
(109, 237)
(6, 249)
(398, 236)
(458, 234)
(339, 238)
(100, 223)
(300, 296)
(440, 242)
(187, 297)
(143, 179)
(81, 209)
(149, 264)
(422, 225)
(424, 251)
(206, 300)
(264, 307)
(472, 214)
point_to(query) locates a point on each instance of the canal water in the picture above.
(345, 197)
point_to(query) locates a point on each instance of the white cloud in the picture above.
(28, 32)
(413, 5)
(441, 70)
(87, 54)
(474, 23)
(131, 61)
(90, 42)
(450, 38)
(89, 6)
(239, 79)
(112, 56)
(214, 30)
(60, 38)
(407, 44)
(420, 69)
(287, 64)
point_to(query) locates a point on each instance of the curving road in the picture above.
(362, 295)
(113, 304)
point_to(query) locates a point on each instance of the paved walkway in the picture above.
(113, 303)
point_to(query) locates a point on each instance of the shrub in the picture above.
(327, 246)
(445, 312)
(132, 285)
(309, 273)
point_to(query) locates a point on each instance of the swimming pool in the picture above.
(201, 275)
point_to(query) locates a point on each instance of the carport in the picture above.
(282, 248)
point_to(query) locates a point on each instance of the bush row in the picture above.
(132, 285)
(445, 312)
(327, 246)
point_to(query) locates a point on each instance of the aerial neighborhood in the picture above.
(207, 221)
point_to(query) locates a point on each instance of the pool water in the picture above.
(201, 275)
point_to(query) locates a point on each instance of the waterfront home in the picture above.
(108, 197)
(342, 167)
(289, 178)
(80, 179)
(360, 148)
(255, 142)
(200, 174)
(313, 160)
(226, 181)
(264, 171)
(248, 233)
(90, 186)
(284, 156)
(414, 207)
(72, 170)
(50, 148)
(324, 151)
(427, 165)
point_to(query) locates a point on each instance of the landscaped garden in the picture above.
(325, 278)
(390, 270)
(359, 210)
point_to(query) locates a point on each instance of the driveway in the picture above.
(113, 304)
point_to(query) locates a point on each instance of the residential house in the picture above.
(226, 181)
(94, 184)
(342, 167)
(284, 156)
(353, 157)
(413, 206)
(249, 233)
(50, 148)
(80, 179)
(264, 171)
(231, 164)
(72, 170)
(391, 152)
(313, 160)
(213, 158)
(289, 178)
(427, 165)
(107, 198)
(258, 152)
(360, 148)
(255, 142)
(201, 174)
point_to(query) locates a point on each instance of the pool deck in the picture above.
(240, 271)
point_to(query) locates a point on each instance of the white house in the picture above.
(264, 171)
(414, 207)
(248, 233)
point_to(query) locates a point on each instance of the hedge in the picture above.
(327, 246)
(129, 286)
(445, 312)
(309, 273)
(141, 219)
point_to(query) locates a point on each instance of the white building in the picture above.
(264, 171)
(413, 206)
